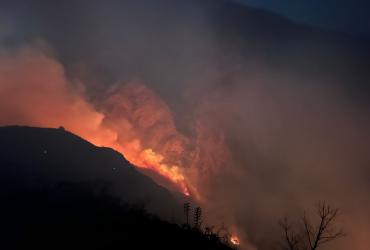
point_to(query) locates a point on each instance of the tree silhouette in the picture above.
(187, 211)
(197, 217)
(292, 239)
(311, 236)
(83, 216)
(325, 231)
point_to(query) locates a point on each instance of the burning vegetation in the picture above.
(131, 119)
(147, 135)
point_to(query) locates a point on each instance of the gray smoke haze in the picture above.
(280, 110)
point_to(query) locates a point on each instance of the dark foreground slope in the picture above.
(74, 216)
(58, 191)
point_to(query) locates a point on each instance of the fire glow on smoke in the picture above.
(150, 159)
(132, 119)
(147, 135)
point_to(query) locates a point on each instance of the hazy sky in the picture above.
(347, 16)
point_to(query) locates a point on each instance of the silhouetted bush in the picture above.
(80, 216)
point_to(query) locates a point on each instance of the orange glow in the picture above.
(235, 240)
(35, 91)
(147, 135)
(131, 118)
(149, 159)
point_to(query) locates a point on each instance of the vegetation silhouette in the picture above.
(307, 236)
(57, 191)
(197, 218)
(219, 236)
(79, 216)
(187, 212)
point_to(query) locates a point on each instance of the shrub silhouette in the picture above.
(197, 218)
(81, 216)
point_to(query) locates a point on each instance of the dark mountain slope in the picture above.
(58, 191)
(75, 216)
(39, 157)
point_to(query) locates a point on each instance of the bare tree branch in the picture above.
(312, 236)
(291, 239)
(308, 229)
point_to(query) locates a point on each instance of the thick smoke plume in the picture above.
(253, 115)
(34, 90)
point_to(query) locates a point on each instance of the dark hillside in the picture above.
(76, 216)
(58, 191)
(38, 157)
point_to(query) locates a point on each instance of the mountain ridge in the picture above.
(32, 157)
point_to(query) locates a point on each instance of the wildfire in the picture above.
(150, 159)
(147, 134)
(234, 240)
(131, 118)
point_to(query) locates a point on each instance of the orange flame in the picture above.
(150, 159)
(235, 240)
(147, 135)
(132, 119)
(35, 91)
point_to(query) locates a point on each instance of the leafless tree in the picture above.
(292, 239)
(311, 237)
(325, 231)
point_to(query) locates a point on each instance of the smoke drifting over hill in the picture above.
(253, 115)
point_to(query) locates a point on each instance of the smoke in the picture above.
(291, 146)
(256, 116)
(146, 131)
(35, 91)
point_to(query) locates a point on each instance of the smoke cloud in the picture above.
(35, 91)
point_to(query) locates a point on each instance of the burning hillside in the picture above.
(146, 132)
(131, 119)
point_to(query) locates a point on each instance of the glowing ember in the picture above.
(234, 240)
